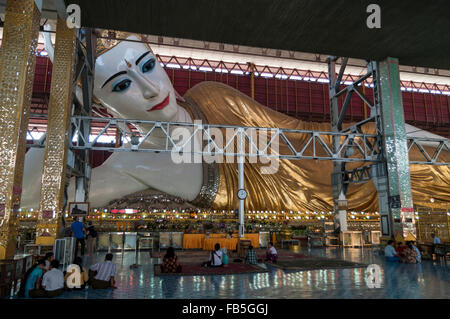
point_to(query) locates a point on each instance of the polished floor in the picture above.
(426, 280)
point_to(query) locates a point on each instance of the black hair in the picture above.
(48, 255)
(217, 246)
(109, 256)
(250, 247)
(270, 243)
(409, 244)
(390, 241)
(78, 261)
(89, 223)
(170, 252)
(55, 263)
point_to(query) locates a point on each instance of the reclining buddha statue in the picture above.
(131, 84)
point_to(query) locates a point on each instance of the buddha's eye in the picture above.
(122, 85)
(148, 66)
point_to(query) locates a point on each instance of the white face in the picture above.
(131, 83)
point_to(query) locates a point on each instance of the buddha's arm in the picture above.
(121, 174)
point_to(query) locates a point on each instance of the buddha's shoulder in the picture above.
(208, 86)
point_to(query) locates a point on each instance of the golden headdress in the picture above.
(108, 39)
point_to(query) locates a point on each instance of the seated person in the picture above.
(390, 253)
(271, 254)
(419, 256)
(49, 257)
(84, 277)
(250, 256)
(32, 280)
(215, 258)
(105, 274)
(410, 255)
(53, 280)
(170, 262)
(400, 248)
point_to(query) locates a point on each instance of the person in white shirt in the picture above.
(105, 274)
(436, 239)
(271, 254)
(53, 280)
(390, 253)
(49, 257)
(215, 257)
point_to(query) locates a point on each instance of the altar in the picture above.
(199, 241)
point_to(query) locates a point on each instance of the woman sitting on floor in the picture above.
(215, 258)
(84, 276)
(170, 262)
(271, 254)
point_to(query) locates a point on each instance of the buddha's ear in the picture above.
(178, 96)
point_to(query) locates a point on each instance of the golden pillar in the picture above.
(57, 139)
(17, 62)
(252, 80)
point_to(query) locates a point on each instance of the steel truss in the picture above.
(260, 142)
(315, 144)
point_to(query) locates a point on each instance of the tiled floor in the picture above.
(426, 280)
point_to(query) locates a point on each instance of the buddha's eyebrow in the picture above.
(141, 57)
(114, 76)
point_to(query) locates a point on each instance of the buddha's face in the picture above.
(131, 83)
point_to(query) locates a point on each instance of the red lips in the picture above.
(161, 105)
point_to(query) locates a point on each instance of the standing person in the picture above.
(271, 254)
(390, 253)
(53, 280)
(105, 273)
(32, 280)
(436, 239)
(78, 231)
(91, 239)
(250, 256)
(49, 257)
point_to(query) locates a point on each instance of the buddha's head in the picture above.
(130, 82)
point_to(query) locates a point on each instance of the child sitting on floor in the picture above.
(271, 255)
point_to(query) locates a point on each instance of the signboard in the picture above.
(395, 202)
(47, 214)
(78, 209)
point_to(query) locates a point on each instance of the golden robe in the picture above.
(299, 185)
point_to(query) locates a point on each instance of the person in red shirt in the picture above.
(400, 249)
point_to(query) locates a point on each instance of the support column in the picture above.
(56, 147)
(17, 64)
(339, 188)
(400, 220)
(241, 160)
(252, 80)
